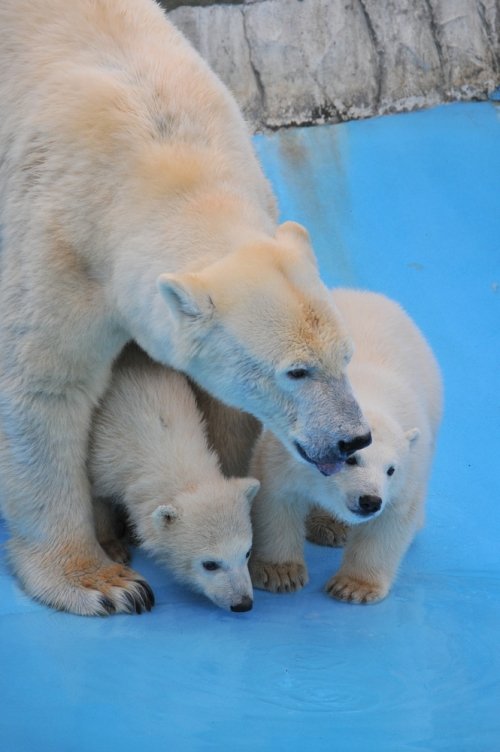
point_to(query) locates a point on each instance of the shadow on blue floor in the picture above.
(407, 205)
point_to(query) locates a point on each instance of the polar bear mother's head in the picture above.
(259, 330)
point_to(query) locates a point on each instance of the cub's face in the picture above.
(205, 536)
(259, 331)
(372, 477)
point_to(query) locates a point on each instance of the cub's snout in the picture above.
(368, 505)
(246, 604)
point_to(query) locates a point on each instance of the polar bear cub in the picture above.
(380, 491)
(149, 452)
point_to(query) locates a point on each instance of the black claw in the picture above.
(107, 604)
(131, 602)
(148, 596)
(140, 601)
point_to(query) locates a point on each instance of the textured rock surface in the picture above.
(305, 61)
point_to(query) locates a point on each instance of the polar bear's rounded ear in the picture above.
(249, 488)
(165, 515)
(294, 232)
(412, 435)
(185, 293)
(297, 236)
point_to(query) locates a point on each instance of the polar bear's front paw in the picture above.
(78, 579)
(325, 530)
(120, 589)
(286, 577)
(355, 590)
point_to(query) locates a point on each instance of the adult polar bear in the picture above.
(132, 207)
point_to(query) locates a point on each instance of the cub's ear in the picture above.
(293, 234)
(185, 293)
(412, 435)
(165, 515)
(249, 488)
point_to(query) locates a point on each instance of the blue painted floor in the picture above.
(407, 205)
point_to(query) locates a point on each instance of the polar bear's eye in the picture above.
(297, 373)
(211, 566)
(391, 470)
(352, 460)
(248, 553)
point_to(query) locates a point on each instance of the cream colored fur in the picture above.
(149, 453)
(231, 433)
(132, 206)
(397, 382)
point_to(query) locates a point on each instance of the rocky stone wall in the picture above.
(294, 62)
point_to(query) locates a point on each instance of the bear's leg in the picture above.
(324, 529)
(373, 553)
(47, 504)
(277, 562)
(231, 433)
(111, 531)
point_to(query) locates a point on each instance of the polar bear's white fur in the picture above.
(148, 452)
(381, 489)
(132, 206)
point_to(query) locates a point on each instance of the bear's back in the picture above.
(147, 426)
(101, 77)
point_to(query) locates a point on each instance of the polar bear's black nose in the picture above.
(245, 604)
(359, 442)
(369, 504)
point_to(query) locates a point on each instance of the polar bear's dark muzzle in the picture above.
(332, 461)
(359, 442)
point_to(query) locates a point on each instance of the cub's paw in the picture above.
(355, 590)
(325, 530)
(285, 577)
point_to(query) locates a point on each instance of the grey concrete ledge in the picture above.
(295, 62)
